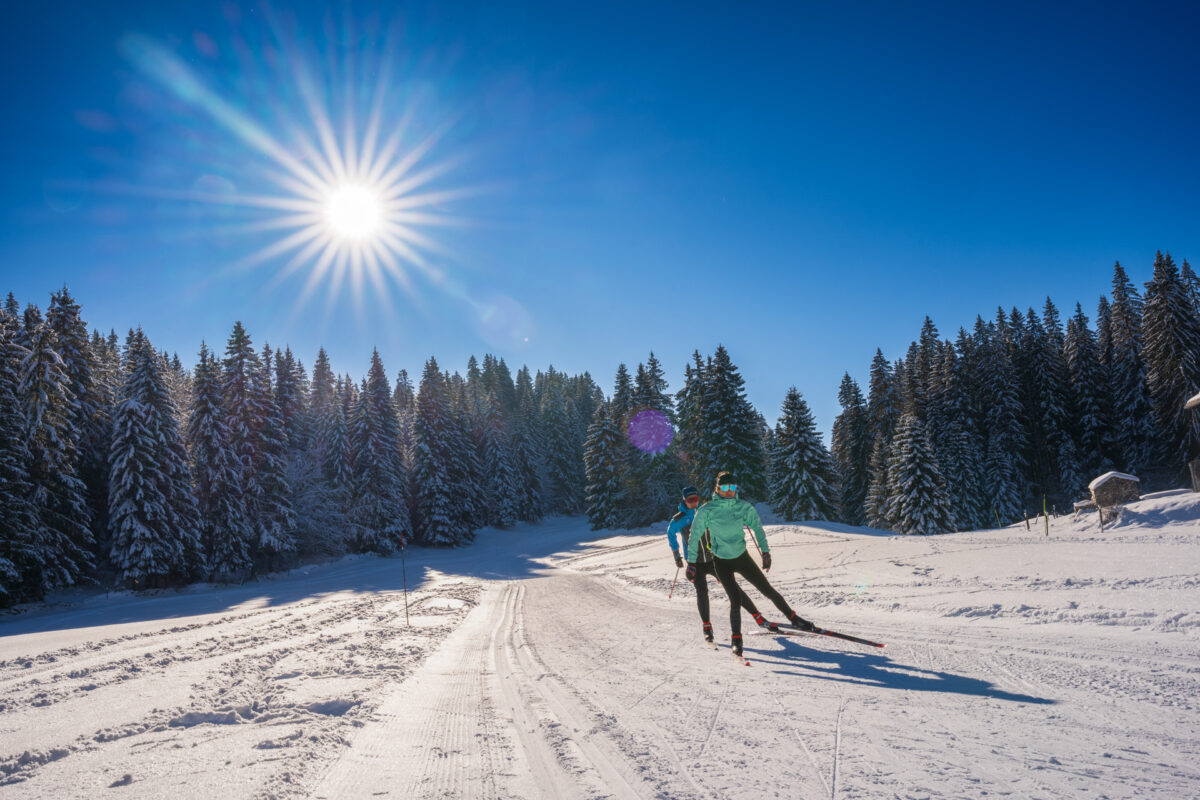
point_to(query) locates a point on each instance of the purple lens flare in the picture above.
(651, 431)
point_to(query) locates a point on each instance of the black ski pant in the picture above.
(703, 570)
(744, 565)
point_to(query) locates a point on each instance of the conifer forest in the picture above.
(122, 466)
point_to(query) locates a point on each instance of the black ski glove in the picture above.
(691, 572)
(766, 562)
(678, 559)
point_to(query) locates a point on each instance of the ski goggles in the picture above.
(692, 498)
(728, 487)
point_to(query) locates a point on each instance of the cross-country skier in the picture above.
(722, 522)
(681, 523)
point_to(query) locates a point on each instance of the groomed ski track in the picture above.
(541, 664)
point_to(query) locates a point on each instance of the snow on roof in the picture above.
(1193, 403)
(1109, 476)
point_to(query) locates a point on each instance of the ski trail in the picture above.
(837, 748)
(807, 753)
(713, 725)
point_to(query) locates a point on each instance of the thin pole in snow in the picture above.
(670, 593)
(404, 578)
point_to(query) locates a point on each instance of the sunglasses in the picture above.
(728, 487)
(692, 498)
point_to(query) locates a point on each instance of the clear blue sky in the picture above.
(802, 182)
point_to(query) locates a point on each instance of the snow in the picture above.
(548, 661)
(1108, 476)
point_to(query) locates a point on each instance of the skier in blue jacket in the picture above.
(681, 523)
(723, 522)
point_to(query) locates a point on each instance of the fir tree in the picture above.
(564, 446)
(224, 529)
(379, 512)
(918, 502)
(274, 521)
(1004, 435)
(1132, 407)
(499, 466)
(59, 496)
(434, 502)
(527, 454)
(731, 427)
(804, 480)
(851, 451)
(151, 505)
(690, 442)
(605, 492)
(20, 552)
(1171, 348)
(1087, 381)
(243, 413)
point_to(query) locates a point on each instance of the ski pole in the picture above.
(404, 578)
(673, 584)
(754, 539)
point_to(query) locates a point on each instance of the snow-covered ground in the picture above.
(544, 662)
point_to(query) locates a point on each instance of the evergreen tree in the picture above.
(882, 413)
(956, 440)
(1171, 348)
(20, 553)
(527, 454)
(379, 513)
(224, 529)
(690, 443)
(243, 412)
(435, 501)
(732, 431)
(152, 508)
(918, 501)
(605, 492)
(1087, 380)
(1004, 435)
(59, 496)
(564, 446)
(274, 521)
(851, 451)
(499, 466)
(804, 480)
(1133, 414)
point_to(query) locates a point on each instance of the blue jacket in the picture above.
(682, 523)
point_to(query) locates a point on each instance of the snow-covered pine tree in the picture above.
(1191, 284)
(1004, 436)
(731, 427)
(564, 446)
(1133, 411)
(803, 480)
(434, 502)
(290, 399)
(918, 502)
(91, 404)
(527, 454)
(690, 441)
(224, 529)
(1052, 450)
(882, 413)
(605, 492)
(59, 496)
(20, 554)
(1088, 382)
(851, 451)
(465, 460)
(243, 414)
(275, 521)
(379, 512)
(957, 443)
(499, 465)
(152, 509)
(1171, 348)
(652, 478)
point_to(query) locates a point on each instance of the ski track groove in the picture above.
(807, 754)
(837, 748)
(713, 725)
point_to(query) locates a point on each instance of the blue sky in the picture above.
(802, 182)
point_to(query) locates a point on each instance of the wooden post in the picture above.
(1045, 516)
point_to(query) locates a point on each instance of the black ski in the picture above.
(787, 629)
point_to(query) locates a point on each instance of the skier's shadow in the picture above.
(869, 669)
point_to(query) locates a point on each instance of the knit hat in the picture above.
(689, 491)
(724, 478)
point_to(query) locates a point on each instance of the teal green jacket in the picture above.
(725, 519)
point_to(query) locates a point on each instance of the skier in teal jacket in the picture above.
(723, 521)
(681, 524)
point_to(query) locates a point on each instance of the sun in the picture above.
(354, 211)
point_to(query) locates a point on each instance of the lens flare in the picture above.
(650, 431)
(354, 212)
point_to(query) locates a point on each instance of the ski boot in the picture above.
(708, 632)
(801, 623)
(736, 644)
(763, 622)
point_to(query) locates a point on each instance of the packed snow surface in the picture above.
(546, 662)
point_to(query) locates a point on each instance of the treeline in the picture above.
(1022, 410)
(120, 466)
